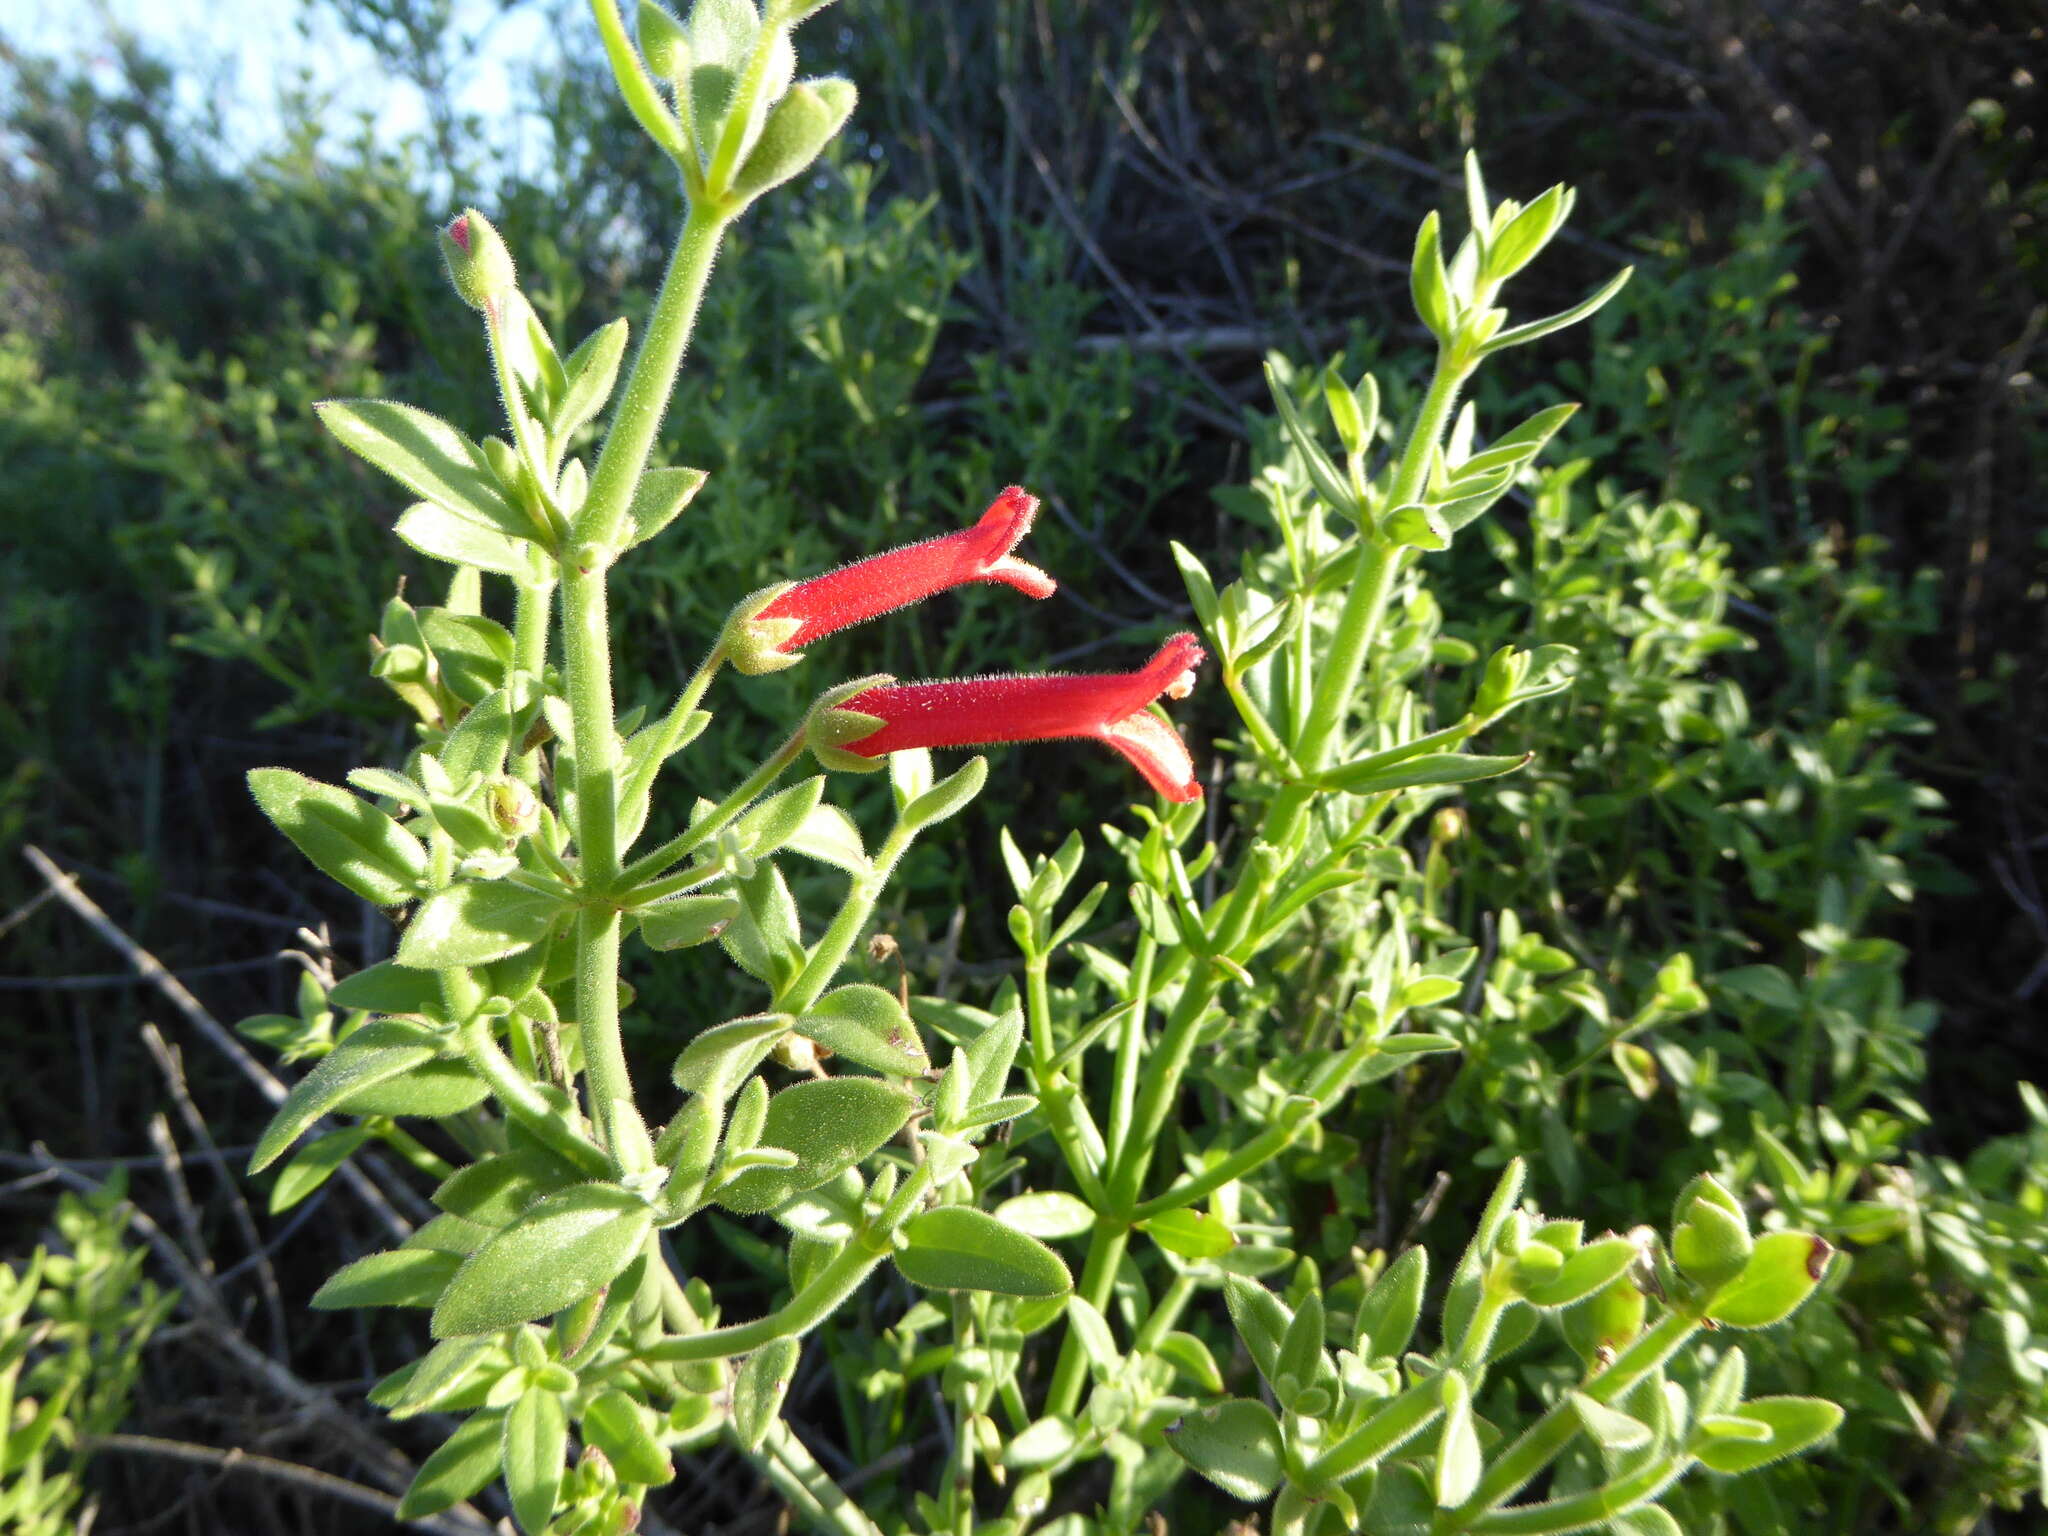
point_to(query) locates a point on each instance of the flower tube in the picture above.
(1113, 708)
(774, 634)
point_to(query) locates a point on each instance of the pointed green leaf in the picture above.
(830, 1126)
(388, 987)
(381, 1049)
(717, 1060)
(866, 1024)
(477, 921)
(1190, 1233)
(426, 456)
(1791, 1425)
(1261, 1320)
(465, 1463)
(444, 535)
(345, 836)
(561, 1250)
(622, 1429)
(1369, 777)
(957, 1248)
(1235, 1444)
(759, 1389)
(315, 1164)
(536, 1443)
(1388, 1312)
(402, 1277)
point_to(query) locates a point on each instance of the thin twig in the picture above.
(311, 1478)
(173, 1068)
(67, 890)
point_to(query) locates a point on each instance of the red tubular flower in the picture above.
(968, 712)
(776, 634)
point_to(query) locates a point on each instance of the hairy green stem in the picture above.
(719, 817)
(1578, 1511)
(520, 1099)
(1540, 1444)
(831, 950)
(1098, 1278)
(810, 1306)
(783, 1460)
(1393, 1426)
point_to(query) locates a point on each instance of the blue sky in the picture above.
(242, 51)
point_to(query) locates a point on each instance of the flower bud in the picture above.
(1448, 825)
(1710, 1241)
(479, 265)
(514, 810)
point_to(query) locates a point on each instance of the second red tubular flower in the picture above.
(1113, 708)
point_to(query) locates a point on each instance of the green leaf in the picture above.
(1370, 776)
(438, 1378)
(1526, 235)
(1049, 1213)
(1589, 1269)
(759, 1389)
(830, 1126)
(799, 126)
(430, 1091)
(426, 456)
(465, 1463)
(475, 653)
(774, 821)
(1301, 1359)
(477, 921)
(1609, 1428)
(560, 1251)
(620, 1427)
(1388, 1312)
(388, 987)
(444, 535)
(1188, 1355)
(991, 1054)
(1428, 284)
(1201, 588)
(480, 743)
(593, 368)
(401, 1277)
(1781, 1273)
(496, 1191)
(1790, 1425)
(1331, 485)
(381, 1049)
(1235, 1444)
(866, 1024)
(659, 499)
(314, 1165)
(947, 797)
(716, 1061)
(1261, 1321)
(687, 920)
(1416, 527)
(1040, 1445)
(1459, 1459)
(536, 1442)
(766, 938)
(957, 1248)
(1190, 1233)
(345, 836)
(1516, 336)
(830, 836)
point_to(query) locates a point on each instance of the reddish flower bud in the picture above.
(774, 635)
(478, 264)
(1113, 708)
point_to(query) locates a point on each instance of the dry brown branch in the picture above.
(310, 1478)
(67, 890)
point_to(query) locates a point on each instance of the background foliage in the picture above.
(1776, 875)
